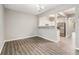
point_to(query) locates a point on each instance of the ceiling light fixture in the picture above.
(40, 7)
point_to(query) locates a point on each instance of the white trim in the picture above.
(2, 47)
(48, 39)
(77, 48)
(68, 35)
(30, 37)
(18, 38)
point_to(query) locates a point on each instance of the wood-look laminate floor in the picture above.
(33, 46)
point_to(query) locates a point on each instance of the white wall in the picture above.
(77, 26)
(45, 20)
(19, 25)
(1, 27)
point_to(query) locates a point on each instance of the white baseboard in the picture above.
(67, 36)
(77, 48)
(2, 46)
(18, 38)
(49, 38)
(29, 37)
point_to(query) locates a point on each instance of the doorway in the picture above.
(62, 28)
(66, 27)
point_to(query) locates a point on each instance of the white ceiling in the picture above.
(29, 8)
